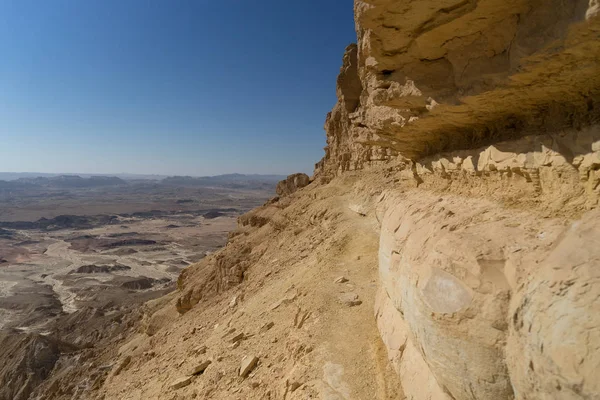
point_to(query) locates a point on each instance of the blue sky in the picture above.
(190, 87)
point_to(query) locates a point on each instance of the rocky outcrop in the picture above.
(350, 144)
(291, 184)
(435, 76)
(216, 274)
(488, 98)
(460, 289)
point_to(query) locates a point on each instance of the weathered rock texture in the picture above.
(431, 76)
(483, 116)
(457, 298)
(291, 184)
(470, 308)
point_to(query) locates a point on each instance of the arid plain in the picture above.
(67, 242)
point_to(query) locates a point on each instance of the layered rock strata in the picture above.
(476, 309)
(434, 76)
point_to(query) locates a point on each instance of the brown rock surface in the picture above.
(31, 358)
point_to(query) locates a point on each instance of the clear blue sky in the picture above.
(193, 87)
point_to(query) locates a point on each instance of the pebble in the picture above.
(350, 299)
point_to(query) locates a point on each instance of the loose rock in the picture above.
(350, 299)
(247, 365)
(200, 368)
(123, 365)
(200, 350)
(237, 338)
(181, 382)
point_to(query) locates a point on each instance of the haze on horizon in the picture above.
(169, 88)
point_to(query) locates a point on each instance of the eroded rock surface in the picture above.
(291, 184)
(460, 291)
(433, 76)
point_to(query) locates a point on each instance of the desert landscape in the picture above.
(68, 243)
(446, 246)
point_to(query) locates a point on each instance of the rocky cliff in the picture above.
(447, 247)
(433, 76)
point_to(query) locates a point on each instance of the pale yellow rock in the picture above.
(350, 299)
(292, 183)
(247, 365)
(181, 383)
(200, 368)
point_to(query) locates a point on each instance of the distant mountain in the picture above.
(233, 181)
(15, 185)
(67, 182)
(73, 181)
(11, 176)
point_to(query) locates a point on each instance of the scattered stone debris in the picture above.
(234, 302)
(350, 299)
(300, 318)
(340, 279)
(181, 382)
(200, 368)
(247, 365)
(229, 332)
(293, 385)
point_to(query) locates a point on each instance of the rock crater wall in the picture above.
(434, 76)
(483, 99)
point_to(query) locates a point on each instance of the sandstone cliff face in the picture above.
(490, 305)
(480, 304)
(291, 184)
(432, 76)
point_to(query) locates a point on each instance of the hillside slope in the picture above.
(452, 294)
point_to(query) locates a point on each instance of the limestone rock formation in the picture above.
(431, 76)
(466, 295)
(291, 184)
